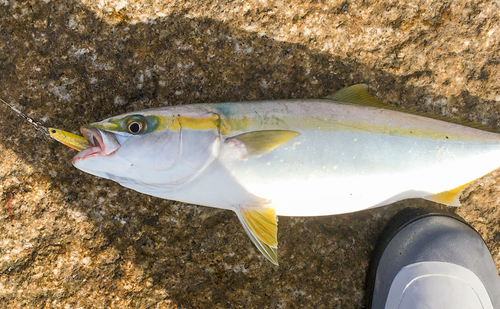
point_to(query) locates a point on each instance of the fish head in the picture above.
(159, 147)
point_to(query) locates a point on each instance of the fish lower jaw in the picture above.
(89, 153)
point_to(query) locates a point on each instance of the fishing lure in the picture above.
(69, 139)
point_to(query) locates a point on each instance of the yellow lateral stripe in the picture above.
(191, 123)
(229, 126)
(69, 139)
(113, 127)
(263, 223)
(299, 122)
(172, 123)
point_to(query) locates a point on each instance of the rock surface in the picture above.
(71, 240)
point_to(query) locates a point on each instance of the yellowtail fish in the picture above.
(340, 154)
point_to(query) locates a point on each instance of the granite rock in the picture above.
(71, 240)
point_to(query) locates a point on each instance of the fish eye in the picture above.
(136, 126)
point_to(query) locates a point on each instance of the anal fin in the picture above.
(449, 197)
(261, 225)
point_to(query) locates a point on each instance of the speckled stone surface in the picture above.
(71, 240)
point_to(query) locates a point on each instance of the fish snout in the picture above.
(102, 143)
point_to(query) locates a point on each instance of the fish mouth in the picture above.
(102, 143)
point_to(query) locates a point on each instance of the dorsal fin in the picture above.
(358, 94)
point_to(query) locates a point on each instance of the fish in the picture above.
(263, 159)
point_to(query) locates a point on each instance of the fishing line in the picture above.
(39, 127)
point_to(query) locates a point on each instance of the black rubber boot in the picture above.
(431, 260)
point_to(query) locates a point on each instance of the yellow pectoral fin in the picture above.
(450, 197)
(71, 140)
(261, 225)
(261, 142)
